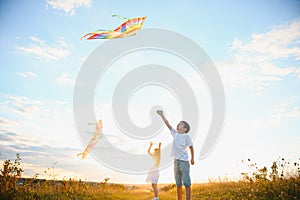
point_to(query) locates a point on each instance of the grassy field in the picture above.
(277, 189)
(281, 182)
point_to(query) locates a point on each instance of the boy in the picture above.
(181, 140)
(153, 173)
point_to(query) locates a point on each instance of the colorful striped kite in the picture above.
(128, 28)
(94, 140)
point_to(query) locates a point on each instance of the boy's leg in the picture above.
(185, 170)
(178, 178)
(179, 192)
(188, 192)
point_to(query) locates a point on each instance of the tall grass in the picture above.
(280, 181)
(282, 189)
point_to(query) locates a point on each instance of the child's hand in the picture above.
(151, 143)
(159, 145)
(160, 112)
(192, 161)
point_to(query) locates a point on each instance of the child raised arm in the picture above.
(149, 148)
(160, 113)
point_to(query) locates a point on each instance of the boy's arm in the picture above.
(192, 154)
(160, 113)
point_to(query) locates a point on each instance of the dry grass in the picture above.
(277, 184)
(277, 189)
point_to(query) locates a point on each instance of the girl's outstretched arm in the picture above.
(159, 145)
(149, 148)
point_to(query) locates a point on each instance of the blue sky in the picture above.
(255, 46)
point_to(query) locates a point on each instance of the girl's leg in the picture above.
(154, 186)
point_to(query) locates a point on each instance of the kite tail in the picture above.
(88, 34)
(122, 18)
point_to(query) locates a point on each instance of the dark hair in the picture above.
(187, 126)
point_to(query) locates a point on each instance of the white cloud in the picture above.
(281, 42)
(21, 105)
(287, 109)
(37, 40)
(61, 41)
(65, 79)
(264, 60)
(294, 112)
(68, 6)
(5, 122)
(42, 139)
(298, 73)
(27, 74)
(44, 51)
(32, 118)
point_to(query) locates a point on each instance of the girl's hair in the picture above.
(187, 126)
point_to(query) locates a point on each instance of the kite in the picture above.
(97, 135)
(128, 28)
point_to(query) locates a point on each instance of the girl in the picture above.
(153, 173)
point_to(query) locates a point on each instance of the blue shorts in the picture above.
(182, 172)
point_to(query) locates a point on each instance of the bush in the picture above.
(9, 176)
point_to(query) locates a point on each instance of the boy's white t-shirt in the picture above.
(180, 143)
